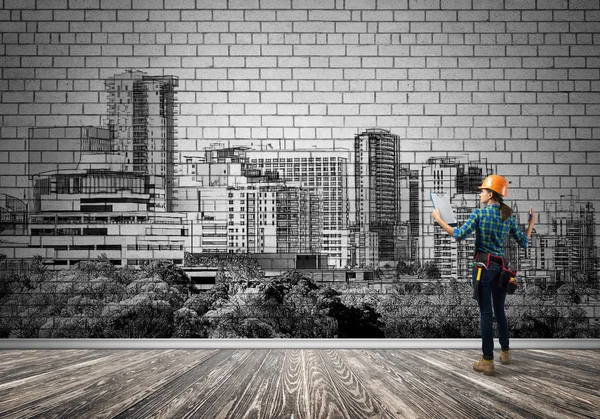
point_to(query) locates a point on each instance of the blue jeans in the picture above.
(491, 296)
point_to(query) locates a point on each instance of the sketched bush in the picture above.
(539, 313)
(286, 306)
(188, 324)
(446, 312)
(237, 323)
(27, 324)
(74, 327)
(138, 318)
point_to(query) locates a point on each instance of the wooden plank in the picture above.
(350, 388)
(297, 383)
(118, 390)
(320, 390)
(15, 365)
(529, 392)
(429, 392)
(50, 390)
(245, 393)
(390, 385)
(190, 390)
(289, 396)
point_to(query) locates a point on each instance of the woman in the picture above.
(492, 224)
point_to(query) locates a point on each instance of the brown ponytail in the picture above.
(505, 210)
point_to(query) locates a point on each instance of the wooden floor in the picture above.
(296, 383)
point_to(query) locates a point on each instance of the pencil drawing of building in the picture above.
(236, 207)
(141, 117)
(377, 202)
(425, 241)
(324, 173)
(106, 190)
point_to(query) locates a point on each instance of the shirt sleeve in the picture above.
(518, 234)
(468, 227)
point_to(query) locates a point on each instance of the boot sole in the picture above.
(488, 373)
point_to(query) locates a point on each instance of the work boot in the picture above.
(485, 366)
(505, 357)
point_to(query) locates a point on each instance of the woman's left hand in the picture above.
(436, 214)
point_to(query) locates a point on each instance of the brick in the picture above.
(425, 121)
(458, 50)
(587, 74)
(319, 50)
(313, 4)
(555, 121)
(490, 121)
(18, 121)
(475, 62)
(275, 4)
(425, 27)
(442, 62)
(317, 73)
(333, 15)
(415, 74)
(424, 4)
(133, 62)
(490, 27)
(320, 121)
(302, 109)
(584, 4)
(409, 15)
(119, 27)
(585, 50)
(117, 49)
(41, 15)
(115, 4)
(570, 157)
(314, 27)
(488, 74)
(585, 121)
(441, 15)
(420, 50)
(375, 109)
(84, 4)
(19, 4)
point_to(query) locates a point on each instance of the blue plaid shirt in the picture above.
(492, 230)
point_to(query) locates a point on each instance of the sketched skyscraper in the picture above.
(376, 171)
(141, 115)
(570, 242)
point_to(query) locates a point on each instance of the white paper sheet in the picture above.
(441, 201)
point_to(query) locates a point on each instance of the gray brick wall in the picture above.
(508, 70)
(517, 82)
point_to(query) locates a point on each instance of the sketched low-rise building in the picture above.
(82, 214)
(234, 207)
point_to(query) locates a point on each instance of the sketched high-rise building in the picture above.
(376, 180)
(141, 114)
(409, 189)
(322, 172)
(570, 244)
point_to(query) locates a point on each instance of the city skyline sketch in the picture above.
(397, 207)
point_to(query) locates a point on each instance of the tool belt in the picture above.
(507, 279)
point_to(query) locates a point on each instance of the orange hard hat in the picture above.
(495, 183)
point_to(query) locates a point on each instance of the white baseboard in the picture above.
(290, 344)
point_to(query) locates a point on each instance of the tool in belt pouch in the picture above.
(507, 279)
